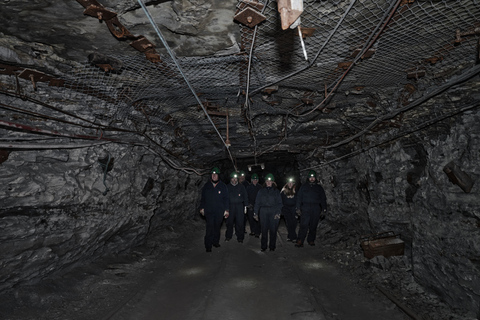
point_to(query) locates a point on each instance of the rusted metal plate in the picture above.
(415, 74)
(458, 177)
(99, 12)
(307, 32)
(142, 44)
(370, 52)
(29, 74)
(8, 70)
(253, 4)
(250, 17)
(385, 244)
(87, 3)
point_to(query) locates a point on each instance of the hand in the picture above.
(226, 214)
(322, 214)
(298, 212)
(245, 210)
(202, 212)
(277, 216)
(255, 216)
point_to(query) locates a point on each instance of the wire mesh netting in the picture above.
(368, 46)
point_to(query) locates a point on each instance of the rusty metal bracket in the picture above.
(8, 69)
(118, 30)
(142, 44)
(307, 32)
(370, 52)
(250, 17)
(99, 12)
(459, 35)
(416, 73)
(458, 177)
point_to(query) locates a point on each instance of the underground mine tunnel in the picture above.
(113, 114)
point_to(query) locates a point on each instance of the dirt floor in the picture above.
(172, 277)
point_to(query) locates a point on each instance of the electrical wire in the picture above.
(170, 52)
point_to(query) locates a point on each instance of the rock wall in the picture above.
(60, 207)
(403, 187)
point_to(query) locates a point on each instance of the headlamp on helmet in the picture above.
(254, 176)
(312, 173)
(215, 170)
(234, 175)
(269, 177)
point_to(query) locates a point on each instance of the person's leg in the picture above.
(273, 227)
(291, 222)
(251, 222)
(239, 222)
(304, 222)
(264, 229)
(209, 230)
(217, 224)
(312, 228)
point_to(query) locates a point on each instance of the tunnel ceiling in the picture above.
(201, 81)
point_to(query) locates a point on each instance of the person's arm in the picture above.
(258, 202)
(202, 202)
(299, 201)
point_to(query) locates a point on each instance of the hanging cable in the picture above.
(170, 52)
(465, 76)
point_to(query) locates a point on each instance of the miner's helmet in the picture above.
(215, 170)
(242, 173)
(254, 176)
(234, 174)
(269, 177)
(312, 173)
(291, 179)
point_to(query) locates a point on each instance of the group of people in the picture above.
(240, 201)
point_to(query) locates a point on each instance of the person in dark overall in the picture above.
(214, 206)
(311, 207)
(238, 200)
(252, 191)
(289, 201)
(242, 180)
(268, 207)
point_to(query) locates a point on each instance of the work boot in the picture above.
(299, 244)
(311, 243)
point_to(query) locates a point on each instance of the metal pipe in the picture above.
(23, 127)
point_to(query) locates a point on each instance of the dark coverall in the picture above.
(288, 211)
(238, 199)
(215, 202)
(252, 191)
(245, 216)
(268, 206)
(311, 201)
